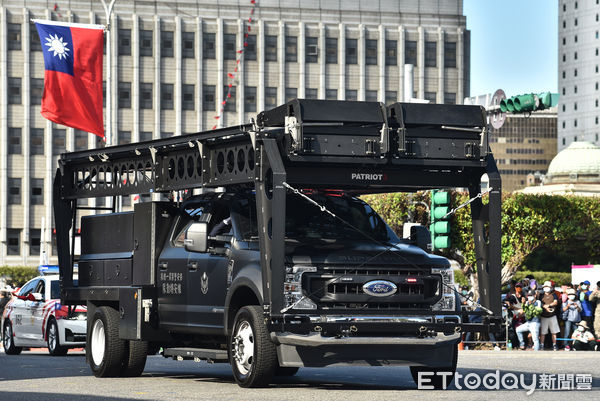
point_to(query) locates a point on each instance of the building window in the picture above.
(291, 48)
(124, 42)
(371, 51)
(575, 21)
(14, 91)
(59, 137)
(290, 94)
(430, 54)
(187, 44)
(188, 96)
(124, 95)
(596, 51)
(564, 57)
(596, 86)
(575, 38)
(208, 46)
(351, 94)
(13, 242)
(270, 97)
(14, 191)
(35, 237)
(575, 89)
(36, 139)
(575, 56)
(564, 91)
(270, 48)
(37, 191)
(145, 95)
(575, 72)
(575, 123)
(35, 45)
(564, 125)
(371, 96)
(229, 48)
(449, 98)
(564, 7)
(81, 140)
(146, 43)
(391, 97)
(564, 108)
(14, 141)
(391, 52)
(564, 74)
(410, 52)
(575, 106)
(331, 50)
(250, 47)
(229, 95)
(351, 51)
(564, 24)
(331, 94)
(36, 90)
(208, 97)
(166, 43)
(250, 99)
(312, 49)
(14, 36)
(312, 93)
(145, 136)
(564, 41)
(166, 96)
(450, 54)
(431, 96)
(596, 102)
(124, 137)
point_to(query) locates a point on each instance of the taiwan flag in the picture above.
(73, 77)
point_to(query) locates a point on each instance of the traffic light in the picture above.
(440, 225)
(528, 103)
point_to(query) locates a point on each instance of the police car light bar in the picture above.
(48, 269)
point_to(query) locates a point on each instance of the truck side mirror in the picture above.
(196, 237)
(421, 237)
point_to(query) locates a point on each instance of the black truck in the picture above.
(265, 256)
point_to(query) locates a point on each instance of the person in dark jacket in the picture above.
(583, 295)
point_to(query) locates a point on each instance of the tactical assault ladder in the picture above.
(360, 147)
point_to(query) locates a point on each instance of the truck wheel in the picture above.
(252, 355)
(134, 360)
(437, 381)
(106, 351)
(285, 372)
(8, 342)
(53, 341)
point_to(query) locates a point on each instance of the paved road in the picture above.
(37, 376)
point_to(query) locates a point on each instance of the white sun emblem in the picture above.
(57, 46)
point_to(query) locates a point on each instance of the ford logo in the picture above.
(379, 288)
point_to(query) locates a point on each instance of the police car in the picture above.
(34, 317)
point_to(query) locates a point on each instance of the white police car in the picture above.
(34, 317)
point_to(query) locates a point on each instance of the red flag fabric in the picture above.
(73, 76)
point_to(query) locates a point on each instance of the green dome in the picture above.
(580, 162)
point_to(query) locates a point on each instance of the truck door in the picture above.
(207, 280)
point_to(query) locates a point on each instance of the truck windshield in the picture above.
(305, 221)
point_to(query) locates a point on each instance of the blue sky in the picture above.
(514, 45)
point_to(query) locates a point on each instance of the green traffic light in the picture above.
(440, 227)
(524, 103)
(441, 198)
(440, 211)
(441, 242)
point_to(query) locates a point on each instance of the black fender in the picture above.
(249, 277)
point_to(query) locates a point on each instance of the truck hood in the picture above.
(357, 253)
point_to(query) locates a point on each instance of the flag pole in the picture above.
(108, 9)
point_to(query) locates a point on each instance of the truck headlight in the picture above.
(292, 287)
(448, 300)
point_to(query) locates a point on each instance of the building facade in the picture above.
(523, 146)
(578, 70)
(171, 66)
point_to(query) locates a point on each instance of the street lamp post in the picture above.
(108, 9)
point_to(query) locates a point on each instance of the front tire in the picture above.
(106, 351)
(252, 354)
(437, 381)
(8, 341)
(53, 340)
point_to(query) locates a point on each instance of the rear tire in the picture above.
(252, 354)
(437, 381)
(53, 340)
(134, 360)
(106, 351)
(8, 340)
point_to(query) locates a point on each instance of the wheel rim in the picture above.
(52, 336)
(7, 336)
(98, 342)
(243, 347)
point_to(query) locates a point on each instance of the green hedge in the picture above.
(559, 278)
(16, 276)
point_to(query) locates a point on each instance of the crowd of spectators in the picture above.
(554, 317)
